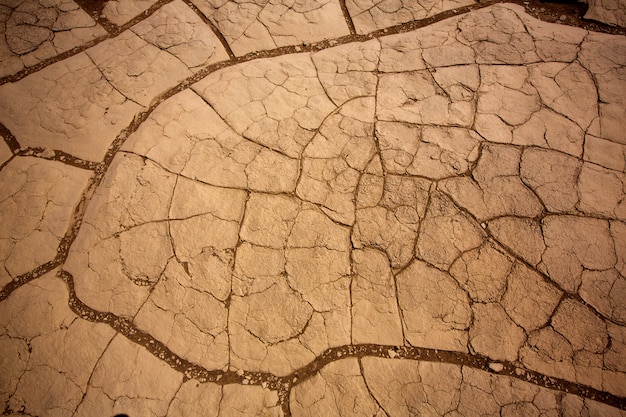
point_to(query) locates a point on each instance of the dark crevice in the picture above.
(60, 156)
(112, 30)
(283, 385)
(9, 139)
(214, 28)
(94, 8)
(542, 10)
(347, 17)
(47, 62)
(141, 16)
(189, 370)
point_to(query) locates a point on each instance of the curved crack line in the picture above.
(10, 140)
(284, 384)
(404, 27)
(347, 17)
(112, 31)
(213, 27)
(100, 169)
(59, 156)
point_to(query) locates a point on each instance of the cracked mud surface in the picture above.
(318, 208)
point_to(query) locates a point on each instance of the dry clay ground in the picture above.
(310, 209)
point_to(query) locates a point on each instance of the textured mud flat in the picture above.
(321, 208)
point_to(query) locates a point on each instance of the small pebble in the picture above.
(496, 367)
(47, 153)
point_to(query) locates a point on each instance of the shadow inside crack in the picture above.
(93, 7)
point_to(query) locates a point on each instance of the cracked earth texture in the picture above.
(333, 208)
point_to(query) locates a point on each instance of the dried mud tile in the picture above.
(277, 103)
(250, 276)
(446, 232)
(35, 31)
(394, 220)
(601, 192)
(335, 158)
(276, 314)
(313, 229)
(529, 300)
(404, 388)
(436, 311)
(432, 152)
(251, 26)
(43, 340)
(604, 291)
(120, 12)
(194, 398)
(494, 334)
(612, 12)
(188, 319)
(371, 15)
(68, 106)
(442, 97)
(574, 244)
(241, 401)
(338, 389)
(269, 219)
(568, 89)
(375, 315)
(347, 71)
(36, 201)
(483, 272)
(605, 153)
(495, 188)
(523, 236)
(175, 28)
(580, 326)
(506, 92)
(553, 177)
(137, 69)
(249, 333)
(129, 379)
